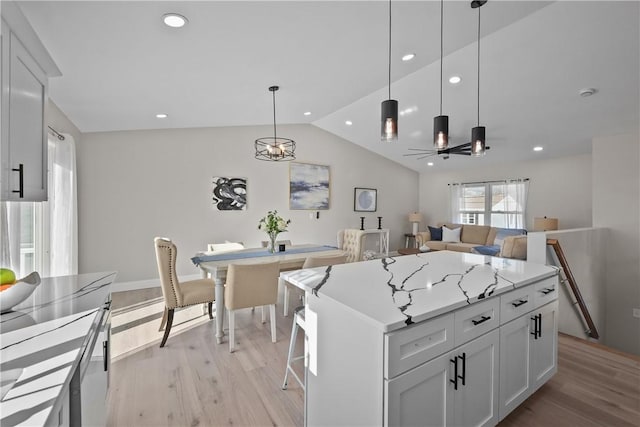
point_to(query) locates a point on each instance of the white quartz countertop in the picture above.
(395, 292)
(42, 342)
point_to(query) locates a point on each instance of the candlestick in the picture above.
(379, 223)
(361, 223)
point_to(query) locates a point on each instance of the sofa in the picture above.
(482, 239)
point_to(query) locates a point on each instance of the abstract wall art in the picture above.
(229, 194)
(308, 186)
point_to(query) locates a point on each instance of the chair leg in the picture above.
(286, 300)
(164, 319)
(264, 319)
(272, 315)
(232, 331)
(292, 345)
(168, 328)
(210, 305)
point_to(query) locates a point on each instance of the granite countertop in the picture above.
(42, 342)
(395, 292)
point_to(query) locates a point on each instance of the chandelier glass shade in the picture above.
(275, 148)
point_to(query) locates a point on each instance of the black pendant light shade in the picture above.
(478, 141)
(441, 132)
(389, 131)
(275, 148)
(389, 108)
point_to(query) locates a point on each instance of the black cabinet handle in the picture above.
(464, 368)
(535, 327)
(539, 316)
(20, 171)
(482, 320)
(547, 290)
(454, 381)
(105, 355)
(519, 302)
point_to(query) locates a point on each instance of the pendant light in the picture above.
(441, 123)
(275, 148)
(478, 140)
(389, 125)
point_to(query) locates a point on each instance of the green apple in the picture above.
(7, 276)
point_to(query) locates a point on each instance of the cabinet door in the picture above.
(515, 363)
(422, 396)
(476, 401)
(545, 349)
(27, 144)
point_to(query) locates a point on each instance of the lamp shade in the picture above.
(545, 224)
(415, 217)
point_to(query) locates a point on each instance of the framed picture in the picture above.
(229, 194)
(308, 186)
(365, 199)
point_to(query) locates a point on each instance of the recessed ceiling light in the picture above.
(408, 56)
(174, 20)
(307, 113)
(454, 80)
(587, 91)
(430, 164)
(538, 148)
(348, 123)
(161, 116)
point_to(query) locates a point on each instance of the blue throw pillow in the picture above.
(436, 233)
(486, 250)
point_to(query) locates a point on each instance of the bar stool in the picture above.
(298, 322)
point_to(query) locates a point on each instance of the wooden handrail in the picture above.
(555, 244)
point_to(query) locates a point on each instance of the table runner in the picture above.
(256, 253)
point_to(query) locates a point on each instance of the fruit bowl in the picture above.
(18, 292)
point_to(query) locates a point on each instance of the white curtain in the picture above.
(518, 189)
(63, 210)
(455, 200)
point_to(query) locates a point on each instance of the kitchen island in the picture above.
(441, 338)
(46, 344)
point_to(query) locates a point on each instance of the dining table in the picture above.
(215, 265)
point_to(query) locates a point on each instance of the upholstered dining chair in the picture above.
(299, 314)
(350, 241)
(224, 247)
(178, 294)
(251, 285)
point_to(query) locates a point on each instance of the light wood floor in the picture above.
(195, 382)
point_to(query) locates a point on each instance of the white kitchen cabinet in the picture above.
(458, 388)
(26, 67)
(528, 355)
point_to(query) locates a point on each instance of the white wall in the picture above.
(616, 206)
(558, 188)
(135, 185)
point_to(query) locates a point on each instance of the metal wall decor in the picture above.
(275, 148)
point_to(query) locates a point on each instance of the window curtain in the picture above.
(518, 189)
(455, 202)
(63, 207)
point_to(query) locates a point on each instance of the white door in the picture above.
(476, 400)
(515, 362)
(545, 348)
(421, 396)
(27, 138)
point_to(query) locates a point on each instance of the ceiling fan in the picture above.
(462, 149)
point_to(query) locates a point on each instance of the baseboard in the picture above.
(147, 283)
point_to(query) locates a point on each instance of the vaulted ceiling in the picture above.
(121, 66)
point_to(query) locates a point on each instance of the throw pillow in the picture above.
(486, 250)
(502, 233)
(436, 233)
(449, 235)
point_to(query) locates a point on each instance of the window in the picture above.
(497, 203)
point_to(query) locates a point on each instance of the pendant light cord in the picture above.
(441, 50)
(389, 49)
(275, 135)
(479, 65)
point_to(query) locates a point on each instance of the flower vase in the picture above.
(272, 242)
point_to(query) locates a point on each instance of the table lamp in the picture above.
(545, 224)
(415, 218)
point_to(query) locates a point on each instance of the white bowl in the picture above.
(19, 292)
